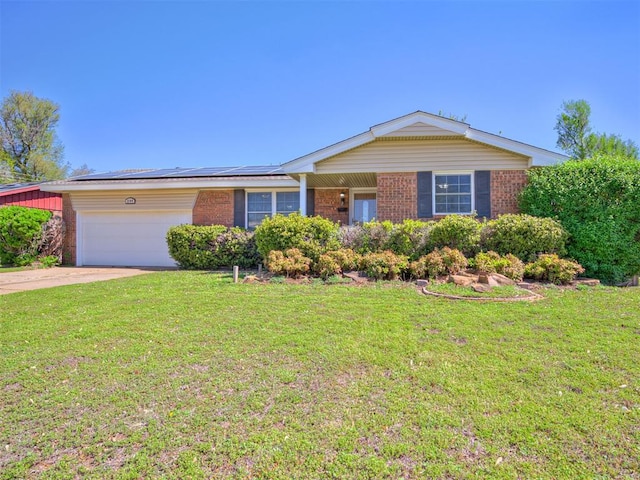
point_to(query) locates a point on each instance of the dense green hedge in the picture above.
(460, 232)
(313, 236)
(21, 230)
(598, 202)
(523, 236)
(382, 249)
(211, 247)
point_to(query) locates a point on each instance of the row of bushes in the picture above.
(28, 235)
(521, 235)
(387, 265)
(318, 249)
(211, 247)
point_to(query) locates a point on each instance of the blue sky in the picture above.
(163, 84)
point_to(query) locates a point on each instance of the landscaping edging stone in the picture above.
(532, 297)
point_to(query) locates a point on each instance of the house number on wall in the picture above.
(129, 201)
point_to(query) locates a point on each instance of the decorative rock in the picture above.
(488, 279)
(461, 280)
(466, 273)
(502, 280)
(483, 277)
(481, 287)
(422, 283)
(526, 285)
(356, 276)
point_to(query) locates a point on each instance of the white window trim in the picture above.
(352, 192)
(274, 202)
(454, 172)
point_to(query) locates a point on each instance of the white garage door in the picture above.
(131, 239)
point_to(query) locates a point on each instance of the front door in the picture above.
(364, 207)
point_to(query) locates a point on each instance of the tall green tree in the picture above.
(31, 150)
(578, 141)
(572, 125)
(613, 145)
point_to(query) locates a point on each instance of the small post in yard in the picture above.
(259, 269)
(236, 271)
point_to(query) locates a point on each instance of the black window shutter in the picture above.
(238, 208)
(483, 193)
(311, 202)
(425, 198)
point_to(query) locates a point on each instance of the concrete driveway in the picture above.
(11, 282)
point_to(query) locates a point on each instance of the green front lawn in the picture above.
(187, 375)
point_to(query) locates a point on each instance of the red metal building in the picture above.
(30, 195)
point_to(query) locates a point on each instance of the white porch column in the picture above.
(303, 194)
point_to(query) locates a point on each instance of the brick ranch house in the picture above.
(419, 166)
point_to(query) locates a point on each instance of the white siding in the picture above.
(145, 200)
(421, 155)
(420, 129)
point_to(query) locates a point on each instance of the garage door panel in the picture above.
(129, 239)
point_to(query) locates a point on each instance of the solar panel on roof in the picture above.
(201, 172)
(15, 186)
(184, 173)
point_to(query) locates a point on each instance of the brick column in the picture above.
(396, 196)
(69, 242)
(506, 185)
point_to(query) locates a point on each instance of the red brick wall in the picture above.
(505, 187)
(397, 195)
(327, 202)
(214, 207)
(69, 217)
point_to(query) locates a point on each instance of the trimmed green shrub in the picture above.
(20, 233)
(189, 245)
(596, 201)
(366, 238)
(336, 262)
(486, 261)
(513, 268)
(291, 262)
(49, 261)
(384, 265)
(523, 236)
(352, 237)
(236, 246)
(313, 236)
(209, 247)
(439, 262)
(551, 268)
(491, 262)
(454, 260)
(327, 266)
(428, 266)
(410, 238)
(460, 232)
